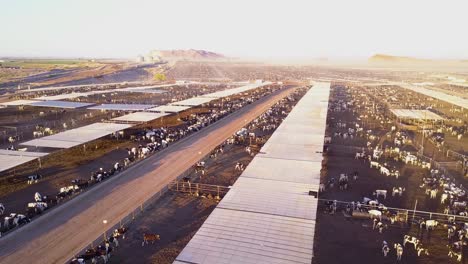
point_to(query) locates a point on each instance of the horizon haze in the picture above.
(243, 29)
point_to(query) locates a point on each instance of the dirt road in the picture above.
(60, 234)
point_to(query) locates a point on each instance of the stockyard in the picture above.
(85, 161)
(395, 177)
(260, 172)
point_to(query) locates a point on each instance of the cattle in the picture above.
(431, 224)
(120, 232)
(15, 220)
(384, 171)
(412, 240)
(37, 207)
(420, 250)
(398, 191)
(385, 248)
(456, 254)
(80, 183)
(37, 197)
(150, 237)
(2, 209)
(374, 164)
(34, 178)
(374, 214)
(378, 193)
(399, 250)
(360, 155)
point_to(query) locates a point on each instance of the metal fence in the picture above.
(410, 214)
(456, 155)
(198, 188)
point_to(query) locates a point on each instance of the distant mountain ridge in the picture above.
(383, 58)
(190, 54)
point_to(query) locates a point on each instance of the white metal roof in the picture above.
(280, 137)
(122, 107)
(47, 143)
(12, 158)
(455, 100)
(141, 90)
(61, 96)
(72, 95)
(22, 153)
(271, 197)
(416, 114)
(145, 89)
(9, 161)
(284, 170)
(292, 152)
(139, 117)
(229, 237)
(169, 108)
(77, 136)
(60, 104)
(229, 92)
(18, 102)
(195, 101)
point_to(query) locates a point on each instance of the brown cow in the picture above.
(150, 237)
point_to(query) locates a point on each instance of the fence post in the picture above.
(415, 205)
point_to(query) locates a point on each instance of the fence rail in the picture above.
(411, 213)
(198, 188)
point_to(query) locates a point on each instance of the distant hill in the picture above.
(190, 54)
(382, 58)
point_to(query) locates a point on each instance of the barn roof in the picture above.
(12, 158)
(77, 136)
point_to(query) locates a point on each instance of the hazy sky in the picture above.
(243, 28)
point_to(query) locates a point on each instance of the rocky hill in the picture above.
(191, 55)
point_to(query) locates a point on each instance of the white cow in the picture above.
(374, 164)
(360, 155)
(431, 224)
(420, 250)
(410, 239)
(399, 250)
(2, 209)
(398, 191)
(458, 255)
(395, 173)
(375, 214)
(41, 206)
(378, 193)
(443, 198)
(37, 197)
(384, 171)
(385, 248)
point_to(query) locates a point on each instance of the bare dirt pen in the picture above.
(343, 239)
